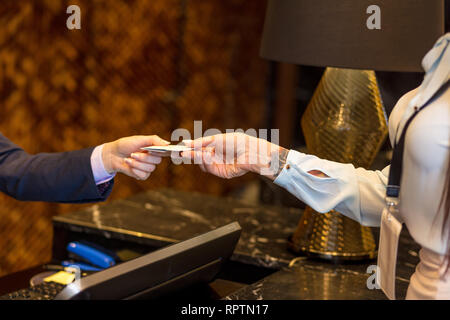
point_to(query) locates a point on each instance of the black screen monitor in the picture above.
(160, 272)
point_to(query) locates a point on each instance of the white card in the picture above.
(169, 148)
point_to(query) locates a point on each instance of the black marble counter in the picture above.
(314, 279)
(161, 217)
(308, 279)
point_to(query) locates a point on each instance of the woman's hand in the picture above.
(125, 156)
(234, 154)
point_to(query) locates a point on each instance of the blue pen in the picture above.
(92, 255)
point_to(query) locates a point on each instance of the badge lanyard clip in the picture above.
(392, 207)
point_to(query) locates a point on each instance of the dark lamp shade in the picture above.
(334, 33)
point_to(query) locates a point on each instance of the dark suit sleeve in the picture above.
(54, 177)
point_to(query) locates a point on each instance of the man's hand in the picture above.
(125, 156)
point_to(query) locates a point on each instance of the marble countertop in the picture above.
(158, 218)
(309, 279)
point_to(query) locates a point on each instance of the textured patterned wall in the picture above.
(135, 67)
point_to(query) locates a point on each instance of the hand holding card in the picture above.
(124, 155)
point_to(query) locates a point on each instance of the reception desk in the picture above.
(261, 266)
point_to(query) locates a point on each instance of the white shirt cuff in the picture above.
(337, 191)
(98, 169)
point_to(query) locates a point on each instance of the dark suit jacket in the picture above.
(53, 177)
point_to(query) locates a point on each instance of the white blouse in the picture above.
(359, 193)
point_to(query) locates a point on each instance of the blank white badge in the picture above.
(390, 231)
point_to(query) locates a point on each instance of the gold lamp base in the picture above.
(332, 236)
(344, 122)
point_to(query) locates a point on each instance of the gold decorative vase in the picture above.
(344, 122)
